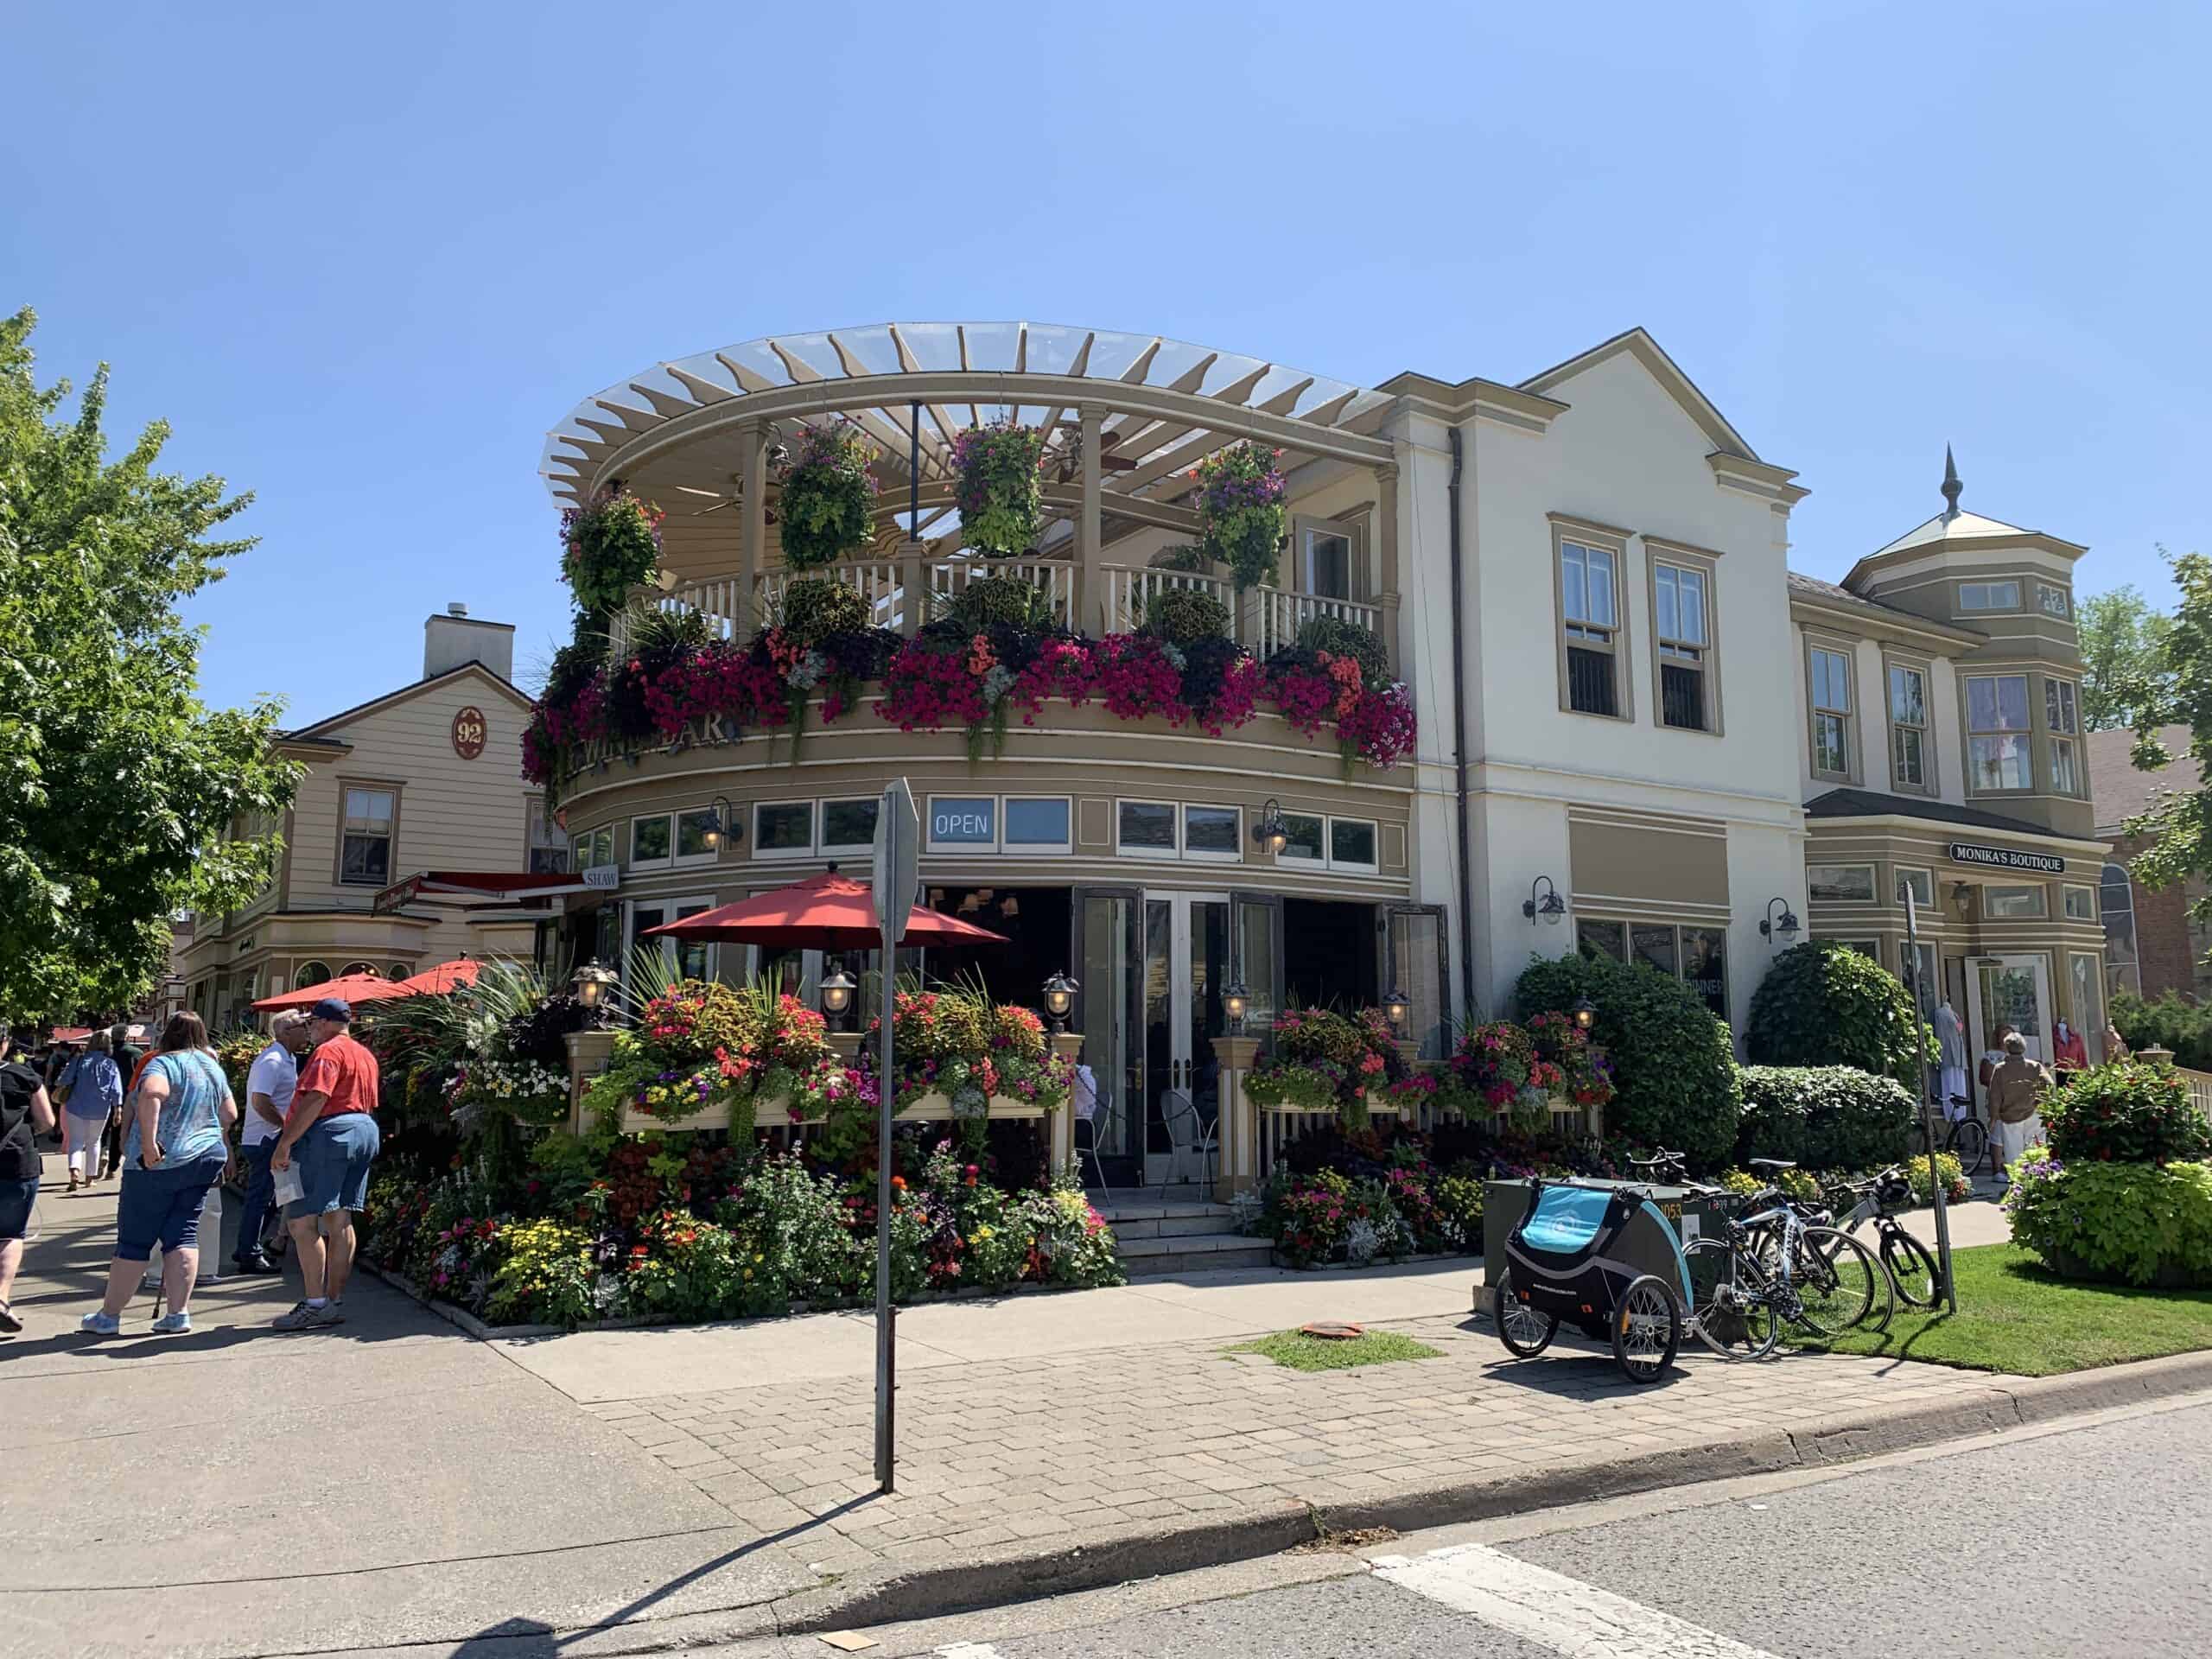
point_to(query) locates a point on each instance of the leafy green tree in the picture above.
(2123, 645)
(2176, 689)
(118, 787)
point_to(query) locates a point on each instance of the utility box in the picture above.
(1691, 1215)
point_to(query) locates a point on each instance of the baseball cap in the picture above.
(335, 1008)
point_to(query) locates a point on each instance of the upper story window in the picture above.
(1682, 636)
(364, 848)
(1908, 727)
(1990, 595)
(1829, 681)
(2061, 714)
(1589, 581)
(1996, 733)
(2054, 601)
(545, 852)
(1330, 561)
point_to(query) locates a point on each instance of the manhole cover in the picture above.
(1330, 1331)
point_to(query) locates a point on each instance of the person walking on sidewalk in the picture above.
(92, 1094)
(131, 1063)
(269, 1086)
(173, 1150)
(333, 1127)
(24, 1109)
(2016, 1092)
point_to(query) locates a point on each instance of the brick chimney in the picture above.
(456, 638)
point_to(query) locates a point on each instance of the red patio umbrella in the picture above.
(828, 912)
(446, 976)
(351, 987)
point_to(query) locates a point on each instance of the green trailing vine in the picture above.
(1000, 494)
(1241, 518)
(609, 548)
(826, 505)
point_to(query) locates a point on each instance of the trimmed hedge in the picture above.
(2127, 1113)
(1823, 1003)
(1825, 1117)
(1674, 1065)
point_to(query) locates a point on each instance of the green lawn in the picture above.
(2015, 1316)
(1304, 1353)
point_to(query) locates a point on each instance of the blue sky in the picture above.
(363, 258)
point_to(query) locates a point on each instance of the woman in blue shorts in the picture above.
(173, 1151)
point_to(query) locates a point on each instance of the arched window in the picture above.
(357, 968)
(397, 970)
(2116, 900)
(311, 973)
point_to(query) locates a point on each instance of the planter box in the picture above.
(634, 1121)
(938, 1108)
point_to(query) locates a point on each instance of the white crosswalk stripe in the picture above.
(966, 1650)
(1553, 1611)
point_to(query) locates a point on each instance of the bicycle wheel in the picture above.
(1969, 1144)
(1911, 1268)
(1524, 1331)
(1729, 1310)
(1646, 1330)
(1840, 1284)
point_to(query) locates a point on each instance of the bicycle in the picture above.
(1967, 1139)
(1907, 1261)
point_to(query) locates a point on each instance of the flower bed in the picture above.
(1324, 1061)
(711, 1056)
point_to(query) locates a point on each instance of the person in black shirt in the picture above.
(127, 1057)
(23, 1109)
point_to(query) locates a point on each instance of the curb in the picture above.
(1113, 1556)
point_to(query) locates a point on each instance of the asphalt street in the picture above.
(2083, 1538)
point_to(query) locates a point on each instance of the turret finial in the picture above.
(1951, 484)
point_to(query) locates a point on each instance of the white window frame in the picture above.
(2047, 592)
(634, 862)
(761, 852)
(2025, 734)
(673, 953)
(1845, 714)
(827, 849)
(1037, 849)
(1990, 590)
(2040, 913)
(1926, 875)
(2062, 696)
(681, 859)
(389, 836)
(1351, 865)
(1609, 639)
(1156, 854)
(1319, 862)
(1353, 533)
(1873, 885)
(1183, 810)
(1678, 650)
(1925, 727)
(929, 844)
(2090, 899)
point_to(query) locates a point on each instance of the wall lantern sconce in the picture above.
(1271, 834)
(1586, 1013)
(1785, 926)
(1543, 900)
(723, 825)
(836, 993)
(591, 983)
(1236, 1003)
(1059, 998)
(1398, 1007)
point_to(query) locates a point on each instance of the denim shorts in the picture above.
(334, 1158)
(161, 1205)
(15, 1200)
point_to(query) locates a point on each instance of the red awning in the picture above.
(823, 912)
(71, 1033)
(447, 888)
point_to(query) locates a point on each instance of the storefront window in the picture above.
(1040, 825)
(849, 825)
(783, 827)
(1351, 842)
(1307, 837)
(1705, 965)
(1210, 831)
(1148, 827)
(1654, 946)
(2117, 902)
(2012, 904)
(1607, 939)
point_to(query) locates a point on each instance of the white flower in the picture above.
(1361, 1241)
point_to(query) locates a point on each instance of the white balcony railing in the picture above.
(880, 581)
(1282, 614)
(949, 578)
(1129, 590)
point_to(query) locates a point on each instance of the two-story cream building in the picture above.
(423, 779)
(1581, 578)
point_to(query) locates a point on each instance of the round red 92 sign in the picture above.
(468, 732)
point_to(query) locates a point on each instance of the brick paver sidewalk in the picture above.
(994, 1454)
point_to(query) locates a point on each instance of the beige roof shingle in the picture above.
(2119, 790)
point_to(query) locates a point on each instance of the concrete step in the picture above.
(1155, 1257)
(1170, 1225)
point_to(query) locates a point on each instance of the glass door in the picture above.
(1185, 966)
(2013, 991)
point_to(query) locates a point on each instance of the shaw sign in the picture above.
(2004, 858)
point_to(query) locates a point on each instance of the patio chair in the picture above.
(1189, 1135)
(1086, 1117)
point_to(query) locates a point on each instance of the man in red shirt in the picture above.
(332, 1126)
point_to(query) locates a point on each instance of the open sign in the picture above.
(965, 820)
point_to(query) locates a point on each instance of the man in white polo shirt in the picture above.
(270, 1087)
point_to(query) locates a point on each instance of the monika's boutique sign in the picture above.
(2004, 858)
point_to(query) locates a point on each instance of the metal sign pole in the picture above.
(898, 846)
(1927, 1104)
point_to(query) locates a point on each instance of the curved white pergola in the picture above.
(1158, 406)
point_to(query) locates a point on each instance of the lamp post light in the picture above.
(1586, 1013)
(723, 825)
(1235, 1003)
(1059, 999)
(591, 984)
(1785, 926)
(836, 996)
(1271, 834)
(1543, 900)
(1398, 1007)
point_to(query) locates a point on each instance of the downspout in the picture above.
(1459, 735)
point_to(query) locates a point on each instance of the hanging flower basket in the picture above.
(827, 506)
(998, 493)
(607, 548)
(1241, 519)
